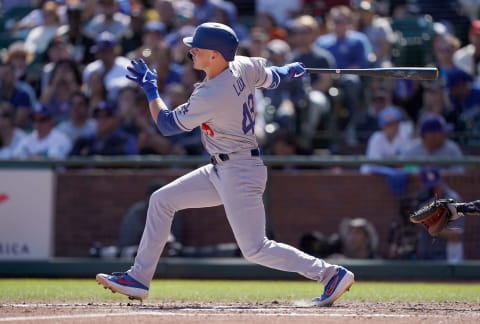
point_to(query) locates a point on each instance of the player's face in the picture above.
(201, 58)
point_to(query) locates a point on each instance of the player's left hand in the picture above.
(142, 75)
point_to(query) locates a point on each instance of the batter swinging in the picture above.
(223, 106)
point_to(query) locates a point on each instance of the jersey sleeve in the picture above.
(263, 76)
(193, 113)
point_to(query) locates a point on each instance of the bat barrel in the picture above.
(412, 73)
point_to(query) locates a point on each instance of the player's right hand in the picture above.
(142, 75)
(290, 71)
(295, 70)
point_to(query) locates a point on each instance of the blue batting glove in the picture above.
(290, 71)
(295, 70)
(144, 77)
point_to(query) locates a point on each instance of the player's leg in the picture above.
(241, 189)
(192, 190)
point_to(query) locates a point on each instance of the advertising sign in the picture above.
(26, 214)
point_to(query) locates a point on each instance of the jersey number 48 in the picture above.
(248, 122)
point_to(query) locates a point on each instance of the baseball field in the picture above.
(221, 301)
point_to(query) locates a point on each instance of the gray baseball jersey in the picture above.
(225, 109)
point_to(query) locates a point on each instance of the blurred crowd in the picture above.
(63, 90)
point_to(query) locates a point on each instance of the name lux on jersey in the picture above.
(239, 87)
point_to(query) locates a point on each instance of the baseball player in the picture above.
(223, 106)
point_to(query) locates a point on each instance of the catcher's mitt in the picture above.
(436, 215)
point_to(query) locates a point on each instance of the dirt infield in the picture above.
(271, 313)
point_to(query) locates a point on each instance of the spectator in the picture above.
(282, 143)
(187, 143)
(190, 77)
(153, 34)
(359, 239)
(402, 236)
(10, 136)
(435, 101)
(464, 95)
(281, 11)
(204, 10)
(21, 59)
(76, 36)
(379, 32)
(288, 99)
(351, 49)
(131, 229)
(64, 81)
(226, 14)
(132, 39)
(79, 124)
(58, 49)
(36, 18)
(449, 244)
(256, 46)
(468, 58)
(110, 139)
(136, 120)
(168, 14)
(39, 37)
(95, 89)
(390, 141)
(179, 52)
(302, 34)
(379, 99)
(11, 92)
(133, 222)
(110, 64)
(320, 245)
(434, 143)
(167, 71)
(45, 141)
(444, 45)
(107, 19)
(184, 14)
(267, 22)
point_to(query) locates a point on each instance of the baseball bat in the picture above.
(411, 73)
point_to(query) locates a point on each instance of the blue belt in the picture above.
(224, 157)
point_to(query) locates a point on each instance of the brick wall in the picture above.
(91, 203)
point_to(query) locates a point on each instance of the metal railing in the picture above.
(155, 161)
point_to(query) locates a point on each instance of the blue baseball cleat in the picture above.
(122, 283)
(340, 283)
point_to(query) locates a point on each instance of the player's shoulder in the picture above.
(245, 61)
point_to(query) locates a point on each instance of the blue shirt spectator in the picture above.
(16, 96)
(351, 51)
(110, 139)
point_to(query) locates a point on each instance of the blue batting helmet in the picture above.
(214, 36)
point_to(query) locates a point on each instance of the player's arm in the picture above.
(147, 79)
(287, 72)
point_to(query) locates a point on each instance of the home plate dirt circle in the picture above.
(259, 313)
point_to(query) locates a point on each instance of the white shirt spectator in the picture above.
(464, 60)
(6, 152)
(115, 79)
(392, 140)
(56, 145)
(118, 26)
